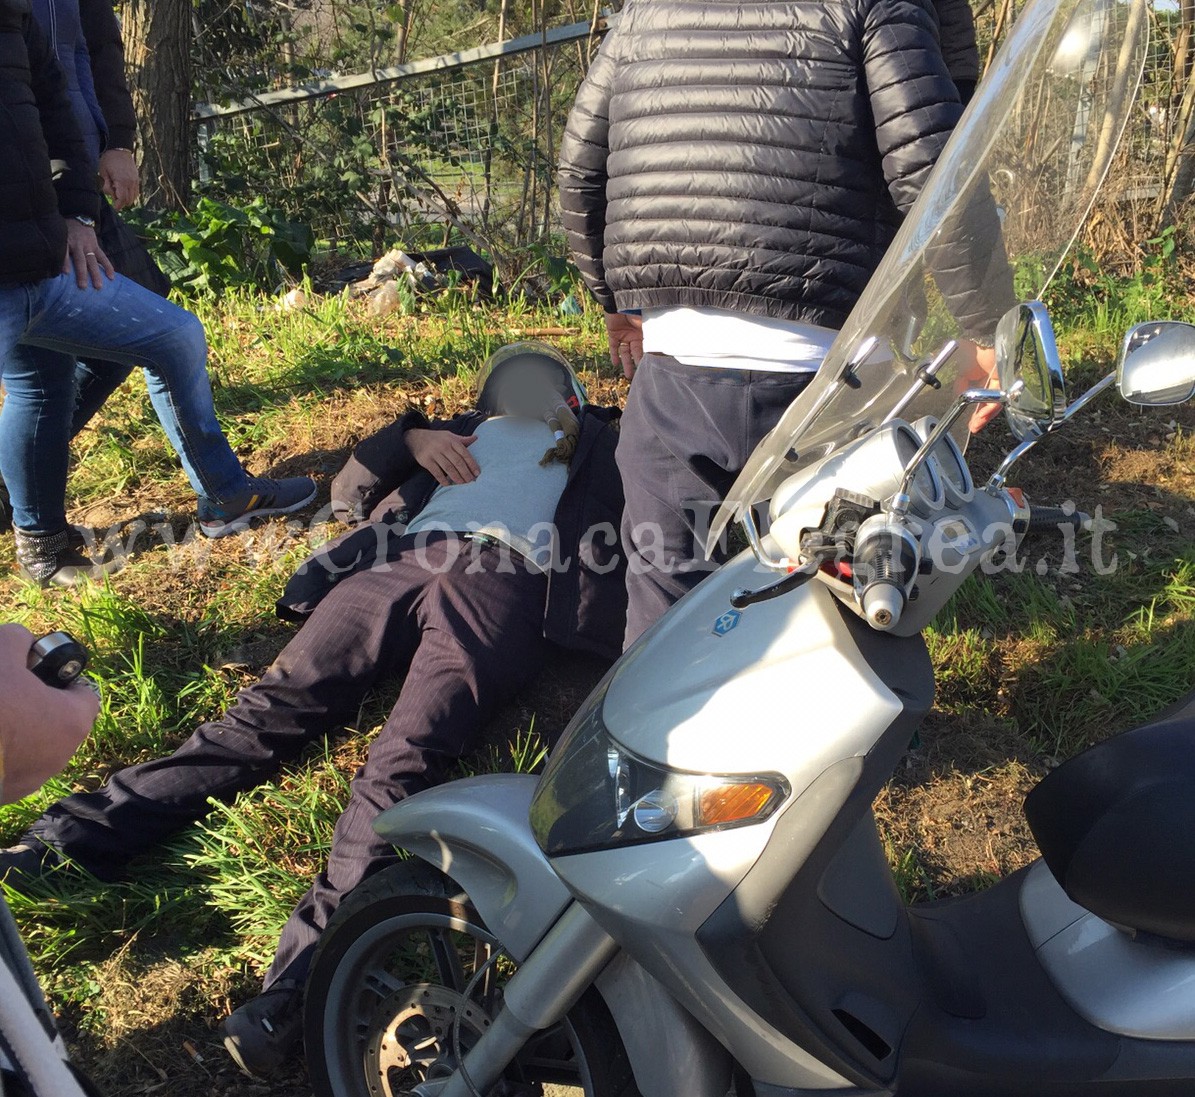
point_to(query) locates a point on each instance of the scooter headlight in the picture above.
(596, 794)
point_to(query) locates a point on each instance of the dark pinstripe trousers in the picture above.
(686, 434)
(467, 634)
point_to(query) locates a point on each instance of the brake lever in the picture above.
(742, 598)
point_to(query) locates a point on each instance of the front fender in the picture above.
(477, 832)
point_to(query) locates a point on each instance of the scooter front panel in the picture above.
(819, 943)
(778, 686)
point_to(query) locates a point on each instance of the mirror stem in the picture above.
(997, 479)
(1087, 397)
(1000, 476)
(773, 563)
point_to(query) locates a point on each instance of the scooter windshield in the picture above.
(991, 226)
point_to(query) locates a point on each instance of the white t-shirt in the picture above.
(514, 497)
(735, 340)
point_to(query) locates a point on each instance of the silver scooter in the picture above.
(694, 896)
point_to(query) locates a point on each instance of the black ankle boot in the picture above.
(52, 558)
(5, 508)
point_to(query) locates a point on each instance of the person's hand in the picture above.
(444, 454)
(40, 727)
(625, 336)
(977, 369)
(118, 174)
(84, 256)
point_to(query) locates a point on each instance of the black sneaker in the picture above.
(260, 499)
(30, 859)
(264, 1033)
(57, 559)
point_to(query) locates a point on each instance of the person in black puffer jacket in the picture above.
(36, 128)
(733, 173)
(60, 299)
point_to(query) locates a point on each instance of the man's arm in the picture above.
(584, 149)
(916, 107)
(77, 195)
(69, 163)
(118, 167)
(386, 459)
(956, 30)
(106, 50)
(913, 100)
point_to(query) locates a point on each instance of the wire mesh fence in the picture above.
(454, 143)
(466, 144)
(1145, 189)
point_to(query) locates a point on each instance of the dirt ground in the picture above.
(958, 798)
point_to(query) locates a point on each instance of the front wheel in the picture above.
(407, 976)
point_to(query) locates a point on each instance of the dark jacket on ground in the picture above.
(36, 126)
(382, 488)
(752, 156)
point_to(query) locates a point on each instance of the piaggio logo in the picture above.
(726, 622)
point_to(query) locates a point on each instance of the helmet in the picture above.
(529, 358)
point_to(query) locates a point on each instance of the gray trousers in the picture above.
(686, 434)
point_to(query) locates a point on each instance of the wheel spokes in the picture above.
(448, 960)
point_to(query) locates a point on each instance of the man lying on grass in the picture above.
(478, 540)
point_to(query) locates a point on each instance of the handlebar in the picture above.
(1050, 519)
(57, 659)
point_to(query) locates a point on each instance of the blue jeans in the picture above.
(95, 381)
(44, 328)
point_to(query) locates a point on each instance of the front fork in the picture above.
(543, 989)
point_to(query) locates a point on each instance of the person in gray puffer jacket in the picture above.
(730, 176)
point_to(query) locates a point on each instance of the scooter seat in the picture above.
(1116, 826)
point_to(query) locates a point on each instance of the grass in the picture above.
(1031, 667)
(190, 621)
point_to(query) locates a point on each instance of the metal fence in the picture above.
(465, 141)
(1144, 190)
(468, 141)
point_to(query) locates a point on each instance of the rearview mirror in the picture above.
(1157, 364)
(1026, 351)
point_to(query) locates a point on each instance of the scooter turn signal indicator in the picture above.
(734, 803)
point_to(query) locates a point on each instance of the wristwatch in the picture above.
(88, 221)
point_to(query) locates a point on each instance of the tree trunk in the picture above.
(157, 37)
(1124, 86)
